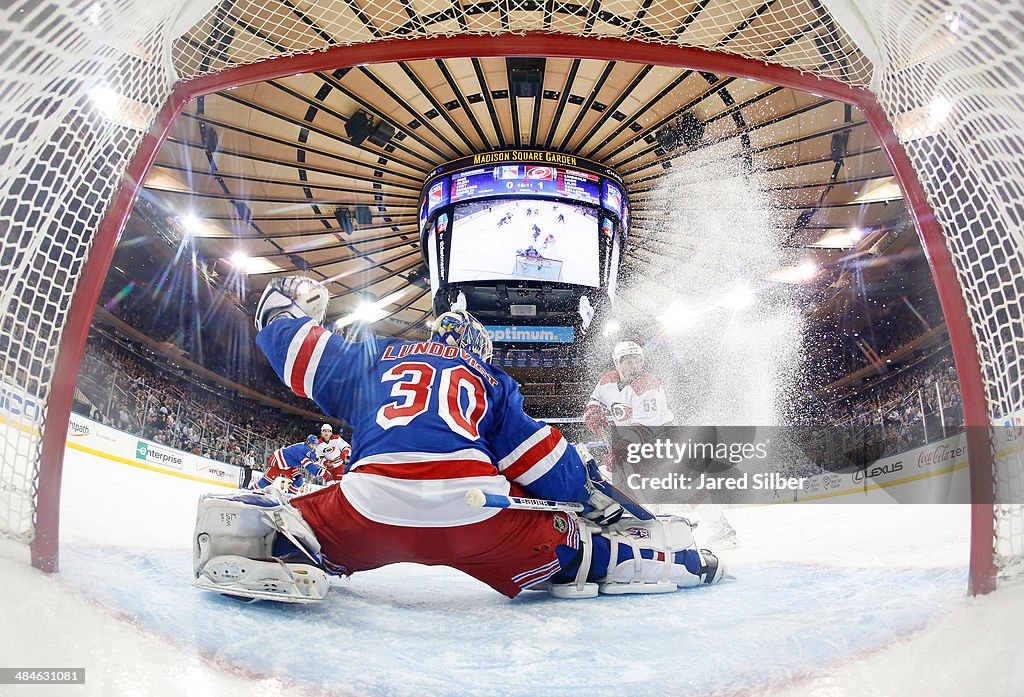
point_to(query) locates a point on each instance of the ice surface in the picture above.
(828, 600)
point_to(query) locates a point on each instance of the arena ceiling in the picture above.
(266, 179)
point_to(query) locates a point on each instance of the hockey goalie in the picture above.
(431, 421)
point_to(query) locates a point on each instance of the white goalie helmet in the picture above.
(459, 328)
(627, 348)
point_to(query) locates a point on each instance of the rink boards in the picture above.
(88, 436)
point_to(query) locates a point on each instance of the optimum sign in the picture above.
(536, 335)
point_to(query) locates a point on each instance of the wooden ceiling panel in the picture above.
(280, 151)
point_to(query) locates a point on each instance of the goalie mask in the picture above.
(459, 328)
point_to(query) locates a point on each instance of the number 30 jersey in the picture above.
(429, 421)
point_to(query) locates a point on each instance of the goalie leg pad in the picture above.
(247, 526)
(579, 587)
(263, 580)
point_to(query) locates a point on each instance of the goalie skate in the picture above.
(664, 558)
(263, 580)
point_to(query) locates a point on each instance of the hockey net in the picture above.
(538, 268)
(83, 82)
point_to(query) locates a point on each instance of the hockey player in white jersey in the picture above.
(631, 399)
(432, 421)
(332, 453)
(630, 395)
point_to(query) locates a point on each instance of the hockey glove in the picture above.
(293, 297)
(600, 508)
(596, 421)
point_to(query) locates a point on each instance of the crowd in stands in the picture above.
(139, 392)
(892, 413)
(226, 346)
(840, 352)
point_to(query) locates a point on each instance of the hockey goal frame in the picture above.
(44, 547)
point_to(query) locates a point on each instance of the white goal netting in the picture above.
(82, 82)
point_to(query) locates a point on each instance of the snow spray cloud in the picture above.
(726, 344)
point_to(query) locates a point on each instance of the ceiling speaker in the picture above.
(382, 134)
(525, 76)
(357, 127)
(344, 218)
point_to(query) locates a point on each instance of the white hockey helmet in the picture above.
(627, 348)
(326, 431)
(459, 328)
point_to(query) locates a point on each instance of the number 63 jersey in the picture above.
(429, 421)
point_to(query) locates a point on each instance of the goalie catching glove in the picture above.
(293, 297)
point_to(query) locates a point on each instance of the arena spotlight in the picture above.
(678, 316)
(939, 110)
(104, 98)
(190, 224)
(240, 260)
(739, 298)
(368, 312)
(807, 270)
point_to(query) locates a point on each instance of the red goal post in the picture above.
(953, 281)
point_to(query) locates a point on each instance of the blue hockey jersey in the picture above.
(295, 456)
(429, 421)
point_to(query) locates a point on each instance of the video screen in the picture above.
(613, 275)
(524, 239)
(612, 198)
(526, 180)
(435, 277)
(437, 195)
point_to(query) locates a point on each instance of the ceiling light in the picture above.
(954, 22)
(739, 298)
(678, 316)
(939, 110)
(808, 270)
(925, 120)
(840, 239)
(369, 312)
(191, 225)
(240, 260)
(885, 189)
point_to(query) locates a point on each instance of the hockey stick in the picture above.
(480, 499)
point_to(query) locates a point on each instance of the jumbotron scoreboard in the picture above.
(522, 222)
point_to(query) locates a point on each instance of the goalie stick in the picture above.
(481, 499)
